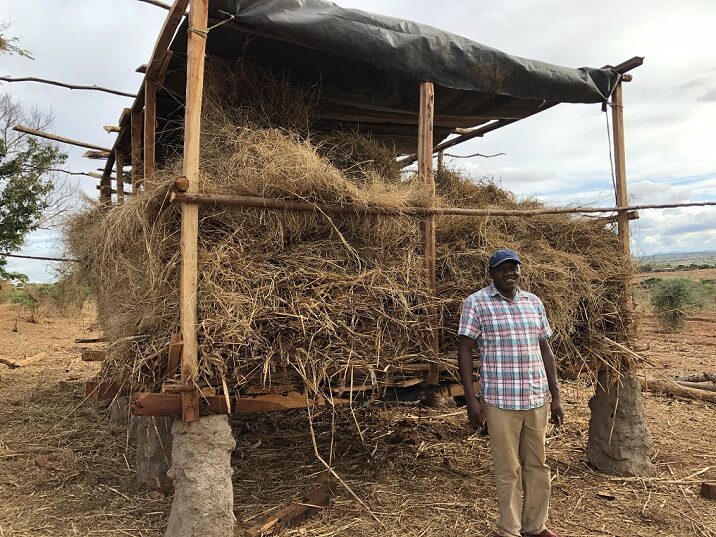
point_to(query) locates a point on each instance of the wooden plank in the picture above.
(34, 359)
(708, 490)
(169, 28)
(103, 391)
(119, 165)
(90, 355)
(294, 514)
(198, 18)
(172, 404)
(425, 172)
(175, 347)
(136, 120)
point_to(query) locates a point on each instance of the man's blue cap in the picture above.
(500, 256)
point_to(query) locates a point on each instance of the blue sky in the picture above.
(560, 156)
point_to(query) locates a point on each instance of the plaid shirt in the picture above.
(508, 333)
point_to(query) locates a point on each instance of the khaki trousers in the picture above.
(517, 443)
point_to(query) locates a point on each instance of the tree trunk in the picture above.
(619, 440)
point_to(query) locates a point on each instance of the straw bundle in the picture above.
(328, 298)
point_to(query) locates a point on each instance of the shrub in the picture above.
(673, 299)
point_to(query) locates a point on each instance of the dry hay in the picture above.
(331, 298)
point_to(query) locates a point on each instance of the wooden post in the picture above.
(622, 201)
(150, 116)
(119, 163)
(136, 121)
(105, 190)
(425, 172)
(198, 18)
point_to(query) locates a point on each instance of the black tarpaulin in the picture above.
(420, 51)
(369, 67)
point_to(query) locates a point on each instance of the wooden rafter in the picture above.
(57, 138)
(92, 87)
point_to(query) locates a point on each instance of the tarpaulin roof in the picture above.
(369, 67)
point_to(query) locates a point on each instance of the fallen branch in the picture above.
(697, 377)
(25, 361)
(670, 387)
(294, 514)
(709, 386)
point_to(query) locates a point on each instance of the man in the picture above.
(518, 373)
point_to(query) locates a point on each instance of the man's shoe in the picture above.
(543, 533)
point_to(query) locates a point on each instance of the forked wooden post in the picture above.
(150, 117)
(136, 120)
(198, 18)
(425, 172)
(622, 200)
(119, 166)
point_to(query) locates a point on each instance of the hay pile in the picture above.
(327, 298)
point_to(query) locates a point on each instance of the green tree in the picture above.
(672, 300)
(26, 186)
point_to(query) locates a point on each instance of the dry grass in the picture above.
(64, 470)
(283, 296)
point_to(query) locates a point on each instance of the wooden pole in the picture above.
(119, 163)
(621, 195)
(66, 85)
(136, 149)
(198, 19)
(150, 116)
(425, 172)
(347, 208)
(56, 138)
(105, 191)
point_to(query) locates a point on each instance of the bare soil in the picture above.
(65, 470)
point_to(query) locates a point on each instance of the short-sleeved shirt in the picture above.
(508, 334)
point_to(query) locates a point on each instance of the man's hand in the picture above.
(556, 412)
(474, 413)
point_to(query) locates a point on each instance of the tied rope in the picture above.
(205, 33)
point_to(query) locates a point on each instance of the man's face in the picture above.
(506, 276)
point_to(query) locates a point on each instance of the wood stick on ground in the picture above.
(710, 386)
(38, 357)
(66, 85)
(10, 363)
(697, 377)
(670, 387)
(293, 514)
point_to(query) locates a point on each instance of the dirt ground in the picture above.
(65, 470)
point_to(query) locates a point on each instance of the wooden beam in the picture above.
(56, 138)
(290, 205)
(111, 128)
(425, 172)
(621, 194)
(157, 3)
(196, 48)
(93, 87)
(136, 119)
(40, 258)
(293, 514)
(171, 23)
(98, 155)
(172, 404)
(103, 391)
(119, 164)
(105, 190)
(150, 123)
(174, 359)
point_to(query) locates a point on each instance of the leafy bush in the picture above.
(673, 299)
